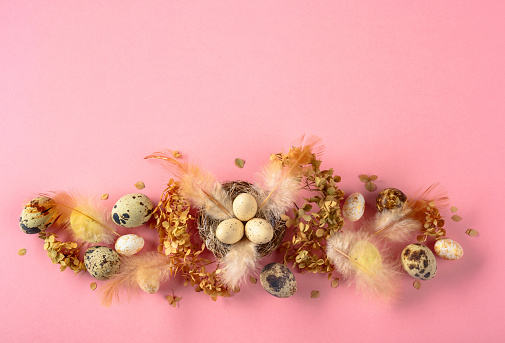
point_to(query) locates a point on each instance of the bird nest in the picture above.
(207, 225)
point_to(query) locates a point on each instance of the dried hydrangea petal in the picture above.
(22, 252)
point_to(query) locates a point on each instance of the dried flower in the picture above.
(140, 185)
(239, 162)
(368, 181)
(472, 232)
(22, 252)
(64, 253)
(105, 196)
(173, 300)
(314, 294)
(93, 286)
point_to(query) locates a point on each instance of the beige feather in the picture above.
(85, 218)
(240, 262)
(199, 186)
(143, 271)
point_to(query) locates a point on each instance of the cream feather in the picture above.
(85, 218)
(240, 262)
(143, 271)
(199, 186)
(356, 256)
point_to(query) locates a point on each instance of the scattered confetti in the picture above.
(105, 196)
(140, 185)
(239, 162)
(22, 252)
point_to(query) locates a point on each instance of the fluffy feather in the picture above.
(356, 257)
(144, 271)
(199, 186)
(281, 183)
(239, 262)
(85, 219)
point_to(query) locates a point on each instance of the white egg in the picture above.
(354, 207)
(448, 249)
(128, 245)
(230, 231)
(259, 231)
(245, 206)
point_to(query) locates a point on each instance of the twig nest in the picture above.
(230, 231)
(132, 210)
(101, 262)
(207, 225)
(245, 206)
(278, 280)
(37, 215)
(448, 249)
(419, 262)
(389, 199)
(259, 231)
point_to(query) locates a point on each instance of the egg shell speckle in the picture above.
(278, 280)
(245, 206)
(419, 262)
(130, 244)
(101, 262)
(259, 231)
(132, 210)
(230, 231)
(354, 207)
(37, 216)
(448, 249)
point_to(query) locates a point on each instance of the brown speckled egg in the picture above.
(132, 210)
(278, 280)
(419, 262)
(37, 215)
(448, 249)
(389, 199)
(101, 262)
(354, 207)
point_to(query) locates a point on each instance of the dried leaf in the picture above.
(364, 178)
(176, 154)
(472, 232)
(417, 284)
(140, 185)
(454, 209)
(421, 238)
(314, 294)
(456, 218)
(373, 177)
(92, 286)
(253, 279)
(22, 252)
(370, 186)
(334, 282)
(105, 196)
(239, 162)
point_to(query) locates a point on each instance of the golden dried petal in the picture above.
(421, 238)
(364, 178)
(319, 233)
(314, 294)
(417, 284)
(105, 196)
(92, 286)
(334, 282)
(373, 177)
(370, 186)
(140, 185)
(22, 252)
(454, 209)
(456, 218)
(472, 232)
(176, 154)
(253, 279)
(239, 162)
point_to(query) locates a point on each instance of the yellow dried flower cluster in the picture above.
(175, 226)
(64, 253)
(313, 223)
(433, 223)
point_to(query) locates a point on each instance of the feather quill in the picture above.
(239, 262)
(356, 257)
(143, 271)
(87, 221)
(199, 186)
(282, 182)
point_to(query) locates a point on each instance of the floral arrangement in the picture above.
(241, 222)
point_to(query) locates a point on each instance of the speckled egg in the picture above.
(419, 262)
(101, 262)
(37, 216)
(130, 244)
(278, 280)
(389, 199)
(132, 210)
(354, 207)
(245, 206)
(259, 231)
(448, 249)
(230, 231)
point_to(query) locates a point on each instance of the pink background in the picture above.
(412, 91)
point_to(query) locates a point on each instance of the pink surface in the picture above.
(411, 91)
